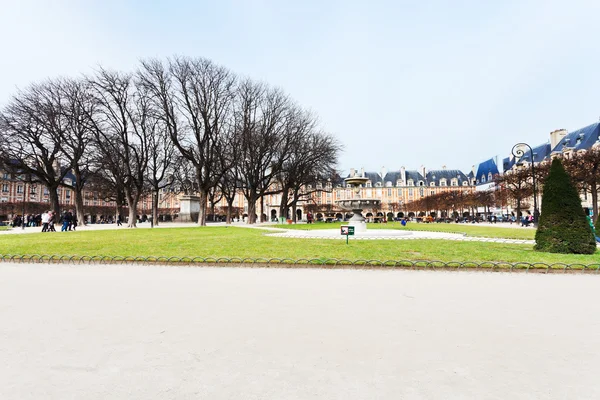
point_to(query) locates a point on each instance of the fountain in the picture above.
(357, 204)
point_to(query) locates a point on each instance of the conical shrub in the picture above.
(563, 227)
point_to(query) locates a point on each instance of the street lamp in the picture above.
(519, 152)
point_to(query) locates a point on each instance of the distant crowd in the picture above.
(47, 220)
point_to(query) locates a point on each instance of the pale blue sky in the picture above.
(401, 83)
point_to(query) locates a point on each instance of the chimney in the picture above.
(473, 169)
(352, 172)
(443, 167)
(556, 136)
(423, 171)
(362, 172)
(403, 175)
(383, 172)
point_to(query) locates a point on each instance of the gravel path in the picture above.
(134, 332)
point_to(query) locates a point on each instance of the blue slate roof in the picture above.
(540, 153)
(581, 139)
(485, 169)
(437, 175)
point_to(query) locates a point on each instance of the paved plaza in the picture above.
(140, 332)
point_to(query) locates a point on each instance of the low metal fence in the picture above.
(304, 262)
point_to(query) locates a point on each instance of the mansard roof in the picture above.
(437, 175)
(487, 167)
(540, 153)
(581, 139)
(392, 176)
(415, 176)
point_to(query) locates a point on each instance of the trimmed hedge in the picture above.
(563, 227)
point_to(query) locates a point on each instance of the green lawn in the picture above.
(478, 230)
(252, 243)
(4, 228)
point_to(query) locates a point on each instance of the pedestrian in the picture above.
(119, 223)
(51, 221)
(45, 220)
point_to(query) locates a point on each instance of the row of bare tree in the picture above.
(515, 187)
(184, 123)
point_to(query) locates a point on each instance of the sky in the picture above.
(399, 83)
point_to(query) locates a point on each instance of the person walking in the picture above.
(45, 219)
(119, 223)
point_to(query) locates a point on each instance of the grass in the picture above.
(4, 228)
(240, 242)
(475, 230)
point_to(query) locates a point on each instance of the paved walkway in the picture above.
(139, 332)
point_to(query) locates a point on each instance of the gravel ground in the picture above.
(137, 332)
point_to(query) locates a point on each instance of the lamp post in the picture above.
(519, 152)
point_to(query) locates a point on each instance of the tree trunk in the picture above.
(79, 206)
(203, 194)
(155, 208)
(594, 190)
(132, 200)
(54, 205)
(262, 208)
(283, 206)
(229, 207)
(252, 208)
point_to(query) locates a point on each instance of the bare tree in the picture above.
(79, 108)
(161, 153)
(584, 168)
(122, 132)
(260, 117)
(312, 156)
(195, 98)
(32, 126)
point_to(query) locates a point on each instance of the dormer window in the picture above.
(411, 182)
(388, 184)
(319, 186)
(443, 182)
(465, 183)
(454, 182)
(399, 182)
(378, 184)
(432, 184)
(421, 183)
(368, 184)
(482, 178)
(489, 177)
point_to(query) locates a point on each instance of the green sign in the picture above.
(347, 230)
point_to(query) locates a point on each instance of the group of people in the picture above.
(68, 220)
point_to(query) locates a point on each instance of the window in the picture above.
(411, 182)
(378, 184)
(432, 184)
(389, 192)
(5, 176)
(4, 200)
(45, 191)
(482, 178)
(68, 193)
(421, 191)
(388, 184)
(399, 182)
(20, 189)
(465, 183)
(454, 182)
(421, 183)
(5, 188)
(34, 189)
(489, 177)
(399, 192)
(443, 182)
(368, 184)
(410, 192)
